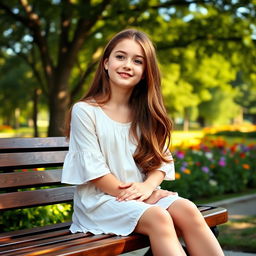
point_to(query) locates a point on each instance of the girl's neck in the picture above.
(120, 97)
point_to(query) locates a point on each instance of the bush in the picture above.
(212, 168)
(35, 217)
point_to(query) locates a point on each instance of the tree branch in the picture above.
(65, 23)
(33, 23)
(83, 78)
(82, 31)
(32, 65)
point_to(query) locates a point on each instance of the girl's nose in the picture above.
(128, 63)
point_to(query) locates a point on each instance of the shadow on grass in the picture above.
(239, 234)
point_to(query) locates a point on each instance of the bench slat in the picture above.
(35, 198)
(8, 236)
(215, 216)
(35, 243)
(107, 247)
(30, 238)
(31, 178)
(32, 159)
(54, 143)
(57, 243)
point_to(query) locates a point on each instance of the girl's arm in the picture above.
(141, 191)
(109, 184)
(155, 178)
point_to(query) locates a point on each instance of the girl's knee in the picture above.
(155, 219)
(185, 211)
(158, 215)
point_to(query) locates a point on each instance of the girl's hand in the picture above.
(139, 191)
(157, 195)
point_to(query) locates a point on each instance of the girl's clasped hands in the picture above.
(143, 192)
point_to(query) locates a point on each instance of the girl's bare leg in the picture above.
(198, 237)
(157, 224)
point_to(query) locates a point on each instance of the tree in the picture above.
(61, 40)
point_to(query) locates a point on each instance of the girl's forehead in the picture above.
(129, 46)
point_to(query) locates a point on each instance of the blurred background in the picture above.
(49, 50)
(206, 51)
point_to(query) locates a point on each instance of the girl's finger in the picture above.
(124, 195)
(134, 196)
(125, 185)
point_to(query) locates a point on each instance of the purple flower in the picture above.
(183, 168)
(244, 148)
(205, 169)
(185, 164)
(222, 161)
(180, 154)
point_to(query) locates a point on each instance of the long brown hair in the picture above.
(146, 103)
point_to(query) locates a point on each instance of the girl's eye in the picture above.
(138, 61)
(120, 57)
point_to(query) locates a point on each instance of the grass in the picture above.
(239, 234)
(236, 234)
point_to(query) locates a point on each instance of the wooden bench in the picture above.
(55, 239)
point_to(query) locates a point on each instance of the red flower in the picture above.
(242, 155)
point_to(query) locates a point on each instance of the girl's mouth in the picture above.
(124, 74)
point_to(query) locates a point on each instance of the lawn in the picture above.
(239, 234)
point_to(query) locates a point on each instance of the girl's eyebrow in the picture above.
(137, 55)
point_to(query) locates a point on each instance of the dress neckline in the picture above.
(112, 120)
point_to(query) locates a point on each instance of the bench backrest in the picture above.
(30, 172)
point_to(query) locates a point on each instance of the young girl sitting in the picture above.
(118, 155)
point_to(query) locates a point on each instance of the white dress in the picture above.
(98, 146)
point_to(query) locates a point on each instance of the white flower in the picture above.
(209, 155)
(213, 182)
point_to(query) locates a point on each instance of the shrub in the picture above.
(213, 167)
(35, 217)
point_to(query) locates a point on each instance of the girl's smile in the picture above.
(124, 74)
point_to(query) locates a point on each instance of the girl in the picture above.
(118, 155)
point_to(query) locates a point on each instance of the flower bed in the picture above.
(213, 167)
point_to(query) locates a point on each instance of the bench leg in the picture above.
(215, 231)
(149, 252)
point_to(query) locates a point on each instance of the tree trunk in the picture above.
(186, 119)
(17, 118)
(35, 111)
(59, 102)
(201, 121)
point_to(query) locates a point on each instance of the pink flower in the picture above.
(222, 161)
(180, 154)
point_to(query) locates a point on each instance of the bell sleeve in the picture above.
(84, 160)
(168, 168)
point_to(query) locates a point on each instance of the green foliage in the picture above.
(214, 111)
(213, 168)
(206, 50)
(35, 217)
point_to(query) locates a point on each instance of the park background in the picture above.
(206, 50)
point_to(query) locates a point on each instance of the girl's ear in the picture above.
(106, 64)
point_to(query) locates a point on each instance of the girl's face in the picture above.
(125, 64)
